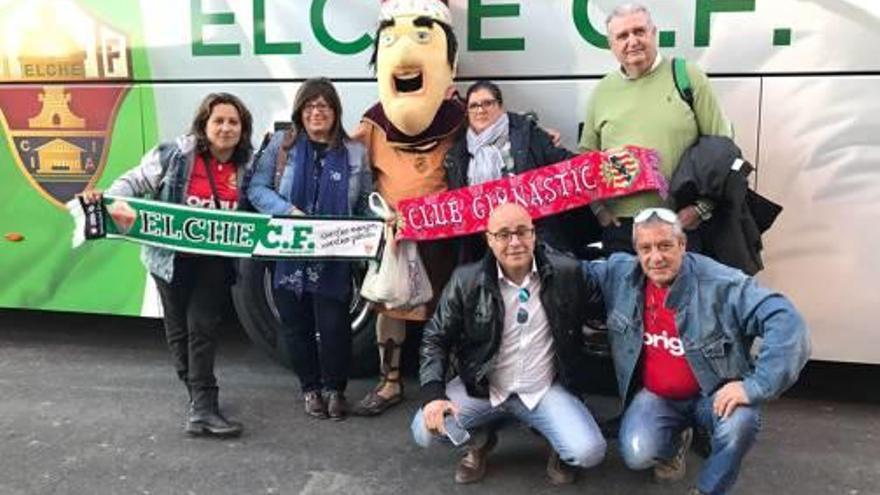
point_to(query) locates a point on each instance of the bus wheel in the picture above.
(254, 302)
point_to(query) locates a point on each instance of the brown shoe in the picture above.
(337, 406)
(559, 472)
(314, 404)
(672, 470)
(472, 467)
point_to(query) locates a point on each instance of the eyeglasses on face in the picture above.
(316, 107)
(663, 214)
(504, 236)
(476, 106)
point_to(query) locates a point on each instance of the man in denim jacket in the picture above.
(681, 328)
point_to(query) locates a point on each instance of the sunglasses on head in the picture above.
(663, 214)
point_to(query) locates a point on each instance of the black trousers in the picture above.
(318, 338)
(193, 304)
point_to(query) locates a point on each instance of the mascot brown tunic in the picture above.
(407, 134)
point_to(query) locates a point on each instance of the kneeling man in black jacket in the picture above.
(513, 323)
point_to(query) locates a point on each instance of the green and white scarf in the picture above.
(229, 233)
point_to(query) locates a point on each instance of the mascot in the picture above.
(407, 134)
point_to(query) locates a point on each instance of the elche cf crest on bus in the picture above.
(70, 73)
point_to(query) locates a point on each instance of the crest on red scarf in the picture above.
(620, 170)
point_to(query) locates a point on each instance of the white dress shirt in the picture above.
(524, 364)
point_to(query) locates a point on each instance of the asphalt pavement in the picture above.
(90, 405)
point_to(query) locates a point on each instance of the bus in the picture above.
(88, 86)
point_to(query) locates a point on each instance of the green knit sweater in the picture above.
(649, 112)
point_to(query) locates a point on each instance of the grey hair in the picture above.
(629, 9)
(654, 219)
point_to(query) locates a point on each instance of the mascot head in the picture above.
(414, 57)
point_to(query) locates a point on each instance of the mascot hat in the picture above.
(414, 71)
(435, 9)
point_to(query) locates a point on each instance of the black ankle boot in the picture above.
(205, 418)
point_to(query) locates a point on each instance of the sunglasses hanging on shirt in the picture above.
(522, 314)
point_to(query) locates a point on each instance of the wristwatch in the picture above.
(703, 209)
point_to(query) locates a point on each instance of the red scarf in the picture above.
(543, 192)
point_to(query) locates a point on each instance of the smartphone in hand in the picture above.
(456, 433)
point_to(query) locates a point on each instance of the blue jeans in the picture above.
(560, 417)
(317, 334)
(650, 432)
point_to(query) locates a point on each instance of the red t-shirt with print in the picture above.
(665, 370)
(199, 192)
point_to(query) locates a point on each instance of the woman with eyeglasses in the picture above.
(315, 169)
(496, 144)
(202, 169)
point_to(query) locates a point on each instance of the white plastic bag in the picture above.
(399, 278)
(382, 281)
(418, 286)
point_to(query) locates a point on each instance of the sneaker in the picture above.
(314, 404)
(472, 467)
(559, 472)
(672, 470)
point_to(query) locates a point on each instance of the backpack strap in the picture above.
(247, 173)
(283, 151)
(682, 81)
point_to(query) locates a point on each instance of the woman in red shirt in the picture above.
(203, 169)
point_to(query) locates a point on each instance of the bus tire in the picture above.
(253, 298)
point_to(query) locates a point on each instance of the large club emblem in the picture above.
(621, 169)
(64, 76)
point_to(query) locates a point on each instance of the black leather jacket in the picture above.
(467, 324)
(733, 234)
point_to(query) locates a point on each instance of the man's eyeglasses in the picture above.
(522, 314)
(316, 107)
(663, 214)
(481, 105)
(504, 236)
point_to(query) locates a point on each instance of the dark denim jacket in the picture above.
(266, 199)
(719, 311)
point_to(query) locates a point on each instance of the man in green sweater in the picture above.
(639, 104)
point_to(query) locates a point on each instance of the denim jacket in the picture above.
(163, 174)
(261, 190)
(719, 311)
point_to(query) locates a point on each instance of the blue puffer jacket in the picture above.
(719, 311)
